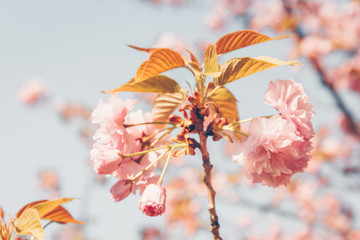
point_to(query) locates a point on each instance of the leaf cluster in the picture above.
(27, 221)
(169, 93)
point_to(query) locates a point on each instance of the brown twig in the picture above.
(214, 221)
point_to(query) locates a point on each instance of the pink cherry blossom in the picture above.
(314, 46)
(120, 190)
(153, 200)
(32, 92)
(289, 98)
(142, 130)
(110, 116)
(216, 19)
(130, 168)
(273, 152)
(105, 156)
(170, 40)
(275, 14)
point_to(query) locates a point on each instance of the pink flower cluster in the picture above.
(279, 147)
(113, 140)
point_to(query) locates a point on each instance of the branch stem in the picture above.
(214, 220)
(146, 123)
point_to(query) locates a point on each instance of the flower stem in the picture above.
(167, 131)
(248, 120)
(165, 167)
(149, 166)
(235, 130)
(152, 150)
(47, 224)
(145, 123)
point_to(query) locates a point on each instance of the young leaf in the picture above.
(2, 213)
(193, 59)
(212, 67)
(60, 215)
(148, 50)
(29, 205)
(48, 206)
(157, 84)
(29, 223)
(226, 103)
(241, 67)
(50, 210)
(43, 207)
(165, 104)
(240, 39)
(161, 60)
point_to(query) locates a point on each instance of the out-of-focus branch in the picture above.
(351, 125)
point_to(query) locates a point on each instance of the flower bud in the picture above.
(152, 202)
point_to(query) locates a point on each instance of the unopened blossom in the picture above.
(32, 92)
(152, 202)
(120, 190)
(289, 98)
(273, 152)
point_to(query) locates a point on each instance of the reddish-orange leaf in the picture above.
(60, 215)
(2, 214)
(240, 39)
(48, 206)
(43, 207)
(193, 58)
(29, 205)
(148, 50)
(161, 60)
(237, 68)
(157, 84)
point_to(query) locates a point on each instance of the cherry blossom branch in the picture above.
(338, 100)
(214, 221)
(214, 226)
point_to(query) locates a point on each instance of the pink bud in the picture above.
(120, 190)
(152, 202)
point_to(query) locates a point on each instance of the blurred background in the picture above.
(66, 52)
